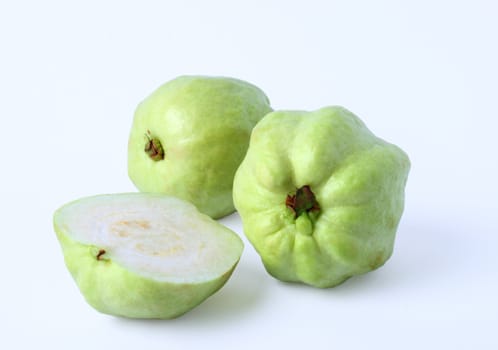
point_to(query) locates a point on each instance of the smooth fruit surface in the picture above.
(320, 196)
(190, 135)
(144, 255)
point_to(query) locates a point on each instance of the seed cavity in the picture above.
(161, 250)
(127, 228)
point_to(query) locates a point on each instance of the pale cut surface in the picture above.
(155, 236)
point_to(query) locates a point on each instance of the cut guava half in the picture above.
(143, 255)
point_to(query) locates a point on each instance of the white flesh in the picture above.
(158, 237)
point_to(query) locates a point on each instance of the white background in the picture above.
(421, 74)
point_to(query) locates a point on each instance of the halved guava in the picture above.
(144, 255)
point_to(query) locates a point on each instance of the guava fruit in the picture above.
(320, 196)
(144, 255)
(189, 137)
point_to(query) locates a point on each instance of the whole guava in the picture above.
(189, 137)
(320, 196)
(144, 255)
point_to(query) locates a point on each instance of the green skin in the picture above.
(320, 196)
(114, 290)
(189, 137)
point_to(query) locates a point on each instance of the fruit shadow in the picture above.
(243, 291)
(425, 251)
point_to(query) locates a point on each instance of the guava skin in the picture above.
(113, 290)
(203, 125)
(351, 185)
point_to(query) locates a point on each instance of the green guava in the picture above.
(144, 255)
(189, 137)
(320, 196)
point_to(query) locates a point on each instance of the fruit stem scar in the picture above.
(153, 147)
(303, 201)
(100, 253)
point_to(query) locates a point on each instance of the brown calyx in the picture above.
(303, 201)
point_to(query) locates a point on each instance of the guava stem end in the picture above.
(100, 253)
(153, 147)
(305, 208)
